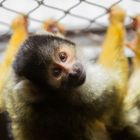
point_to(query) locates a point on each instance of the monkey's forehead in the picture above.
(47, 39)
(41, 47)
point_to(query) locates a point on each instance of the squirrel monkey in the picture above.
(51, 94)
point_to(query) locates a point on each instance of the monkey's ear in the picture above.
(21, 64)
(29, 65)
(26, 58)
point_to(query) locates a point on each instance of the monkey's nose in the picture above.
(76, 71)
(77, 68)
(77, 76)
(73, 79)
(73, 75)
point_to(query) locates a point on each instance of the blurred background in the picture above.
(84, 22)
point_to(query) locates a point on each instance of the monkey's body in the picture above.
(63, 115)
(45, 120)
(131, 105)
(51, 95)
(70, 115)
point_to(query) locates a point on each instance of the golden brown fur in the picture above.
(77, 110)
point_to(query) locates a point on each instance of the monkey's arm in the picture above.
(20, 33)
(23, 90)
(113, 60)
(112, 56)
(27, 91)
(131, 107)
(17, 97)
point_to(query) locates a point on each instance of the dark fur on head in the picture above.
(34, 57)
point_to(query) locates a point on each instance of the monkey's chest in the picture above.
(62, 123)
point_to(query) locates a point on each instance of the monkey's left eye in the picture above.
(63, 56)
(56, 72)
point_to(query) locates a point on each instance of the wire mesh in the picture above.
(66, 14)
(83, 22)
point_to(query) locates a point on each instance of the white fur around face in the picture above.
(134, 87)
(131, 110)
(98, 80)
(132, 116)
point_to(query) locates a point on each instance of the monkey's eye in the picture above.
(56, 72)
(63, 56)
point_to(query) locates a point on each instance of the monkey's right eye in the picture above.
(56, 72)
(63, 56)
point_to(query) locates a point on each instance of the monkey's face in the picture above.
(65, 71)
(50, 62)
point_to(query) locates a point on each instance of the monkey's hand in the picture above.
(26, 91)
